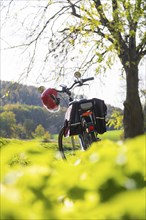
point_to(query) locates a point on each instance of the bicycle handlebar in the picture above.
(87, 79)
(80, 82)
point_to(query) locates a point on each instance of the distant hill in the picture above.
(12, 92)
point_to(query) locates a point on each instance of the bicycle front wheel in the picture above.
(67, 145)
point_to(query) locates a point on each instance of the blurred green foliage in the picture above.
(116, 119)
(114, 135)
(106, 182)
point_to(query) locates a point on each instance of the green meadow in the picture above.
(106, 182)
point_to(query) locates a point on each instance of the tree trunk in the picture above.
(133, 113)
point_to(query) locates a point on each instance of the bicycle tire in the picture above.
(64, 151)
(87, 139)
(60, 144)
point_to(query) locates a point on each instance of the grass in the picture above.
(114, 135)
(22, 153)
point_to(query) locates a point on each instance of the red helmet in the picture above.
(50, 100)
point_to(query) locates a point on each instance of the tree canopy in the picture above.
(87, 36)
(77, 34)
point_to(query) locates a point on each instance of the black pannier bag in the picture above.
(100, 111)
(72, 122)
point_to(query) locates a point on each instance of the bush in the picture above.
(46, 137)
(104, 182)
(3, 142)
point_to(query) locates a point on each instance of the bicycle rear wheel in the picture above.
(86, 139)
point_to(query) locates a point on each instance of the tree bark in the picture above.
(133, 113)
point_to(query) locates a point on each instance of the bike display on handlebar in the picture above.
(84, 118)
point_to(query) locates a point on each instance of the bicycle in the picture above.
(84, 118)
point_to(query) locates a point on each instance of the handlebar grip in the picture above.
(87, 79)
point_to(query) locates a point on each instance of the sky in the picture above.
(109, 87)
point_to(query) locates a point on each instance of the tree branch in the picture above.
(116, 35)
(73, 7)
(115, 7)
(127, 8)
(102, 34)
(87, 62)
(142, 44)
(143, 53)
(103, 18)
